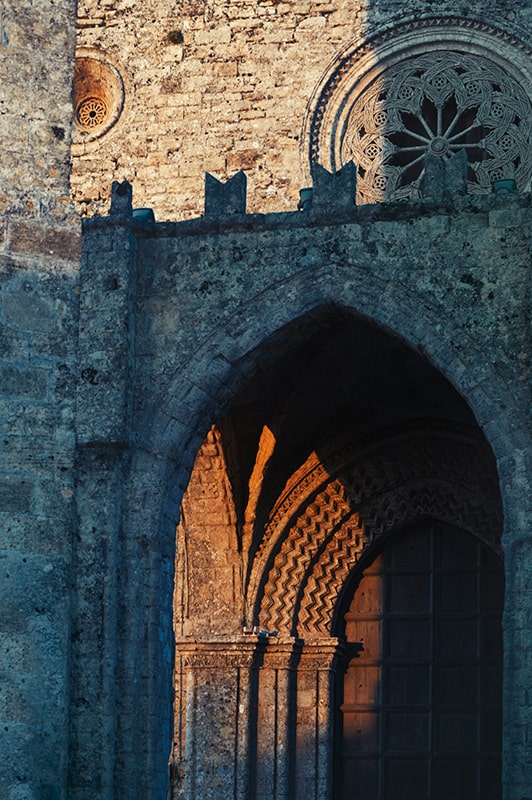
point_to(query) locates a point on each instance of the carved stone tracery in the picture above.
(430, 85)
(438, 103)
(91, 112)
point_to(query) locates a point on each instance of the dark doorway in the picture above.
(420, 712)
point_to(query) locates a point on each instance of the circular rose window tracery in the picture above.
(98, 98)
(92, 112)
(437, 103)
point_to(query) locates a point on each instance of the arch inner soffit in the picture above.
(367, 435)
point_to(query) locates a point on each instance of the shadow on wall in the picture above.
(427, 101)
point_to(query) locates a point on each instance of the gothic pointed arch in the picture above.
(348, 437)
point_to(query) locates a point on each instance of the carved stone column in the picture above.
(254, 719)
(215, 691)
(315, 718)
(276, 720)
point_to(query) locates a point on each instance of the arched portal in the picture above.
(420, 699)
(345, 438)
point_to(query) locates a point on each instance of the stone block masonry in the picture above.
(38, 320)
(39, 296)
(223, 86)
(36, 49)
(117, 358)
(40, 246)
(208, 301)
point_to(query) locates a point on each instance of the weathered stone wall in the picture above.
(175, 319)
(203, 311)
(229, 271)
(222, 86)
(36, 48)
(40, 242)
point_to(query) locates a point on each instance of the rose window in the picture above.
(92, 112)
(98, 98)
(438, 103)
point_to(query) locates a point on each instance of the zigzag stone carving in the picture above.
(422, 475)
(318, 521)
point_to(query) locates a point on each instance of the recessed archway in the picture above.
(345, 437)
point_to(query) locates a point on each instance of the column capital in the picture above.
(320, 652)
(220, 653)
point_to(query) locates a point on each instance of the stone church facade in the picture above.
(266, 453)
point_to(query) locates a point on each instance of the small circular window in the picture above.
(98, 97)
(92, 113)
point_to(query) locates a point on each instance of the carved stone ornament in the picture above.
(438, 103)
(98, 98)
(425, 475)
(91, 112)
(435, 97)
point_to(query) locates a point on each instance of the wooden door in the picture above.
(421, 706)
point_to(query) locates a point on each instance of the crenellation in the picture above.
(223, 405)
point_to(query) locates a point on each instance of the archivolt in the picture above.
(417, 474)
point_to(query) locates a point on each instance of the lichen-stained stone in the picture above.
(157, 498)
(212, 304)
(39, 259)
